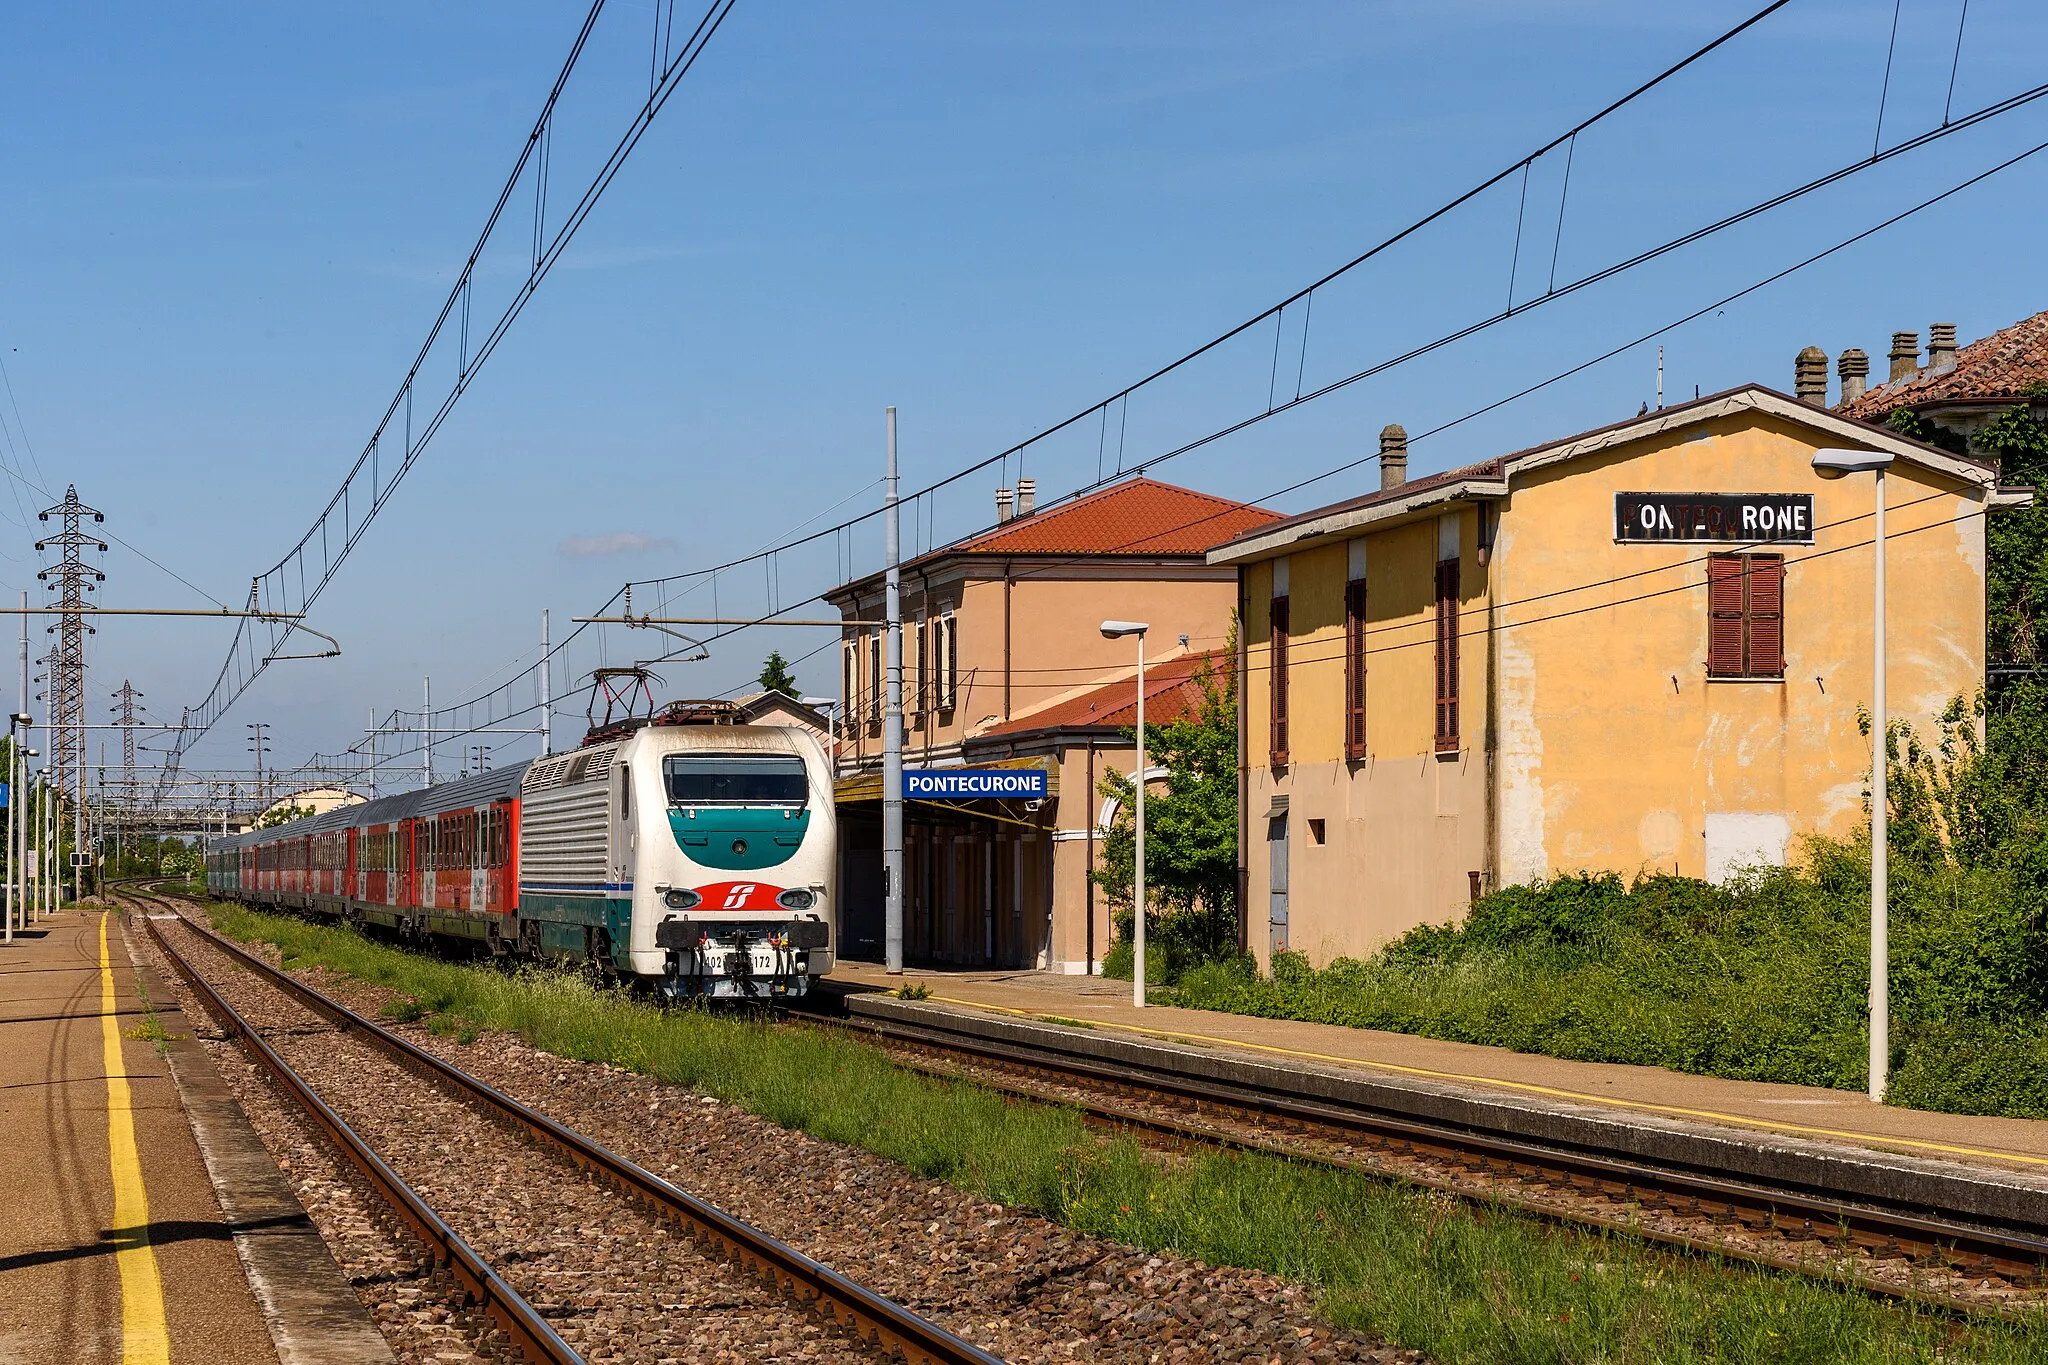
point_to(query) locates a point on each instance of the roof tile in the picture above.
(1137, 517)
(1171, 692)
(1991, 367)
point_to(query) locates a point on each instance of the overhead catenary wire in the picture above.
(342, 523)
(1982, 115)
(1492, 405)
(1122, 396)
(1581, 366)
(1305, 295)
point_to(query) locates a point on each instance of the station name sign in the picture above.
(985, 784)
(1775, 518)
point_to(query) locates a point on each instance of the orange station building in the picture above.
(1004, 665)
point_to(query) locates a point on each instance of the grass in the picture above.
(1428, 1273)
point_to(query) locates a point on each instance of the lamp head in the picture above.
(1116, 630)
(1835, 462)
(23, 718)
(31, 753)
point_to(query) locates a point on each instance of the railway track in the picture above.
(871, 1320)
(1927, 1256)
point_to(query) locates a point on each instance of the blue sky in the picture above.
(225, 229)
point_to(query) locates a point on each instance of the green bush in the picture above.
(1762, 980)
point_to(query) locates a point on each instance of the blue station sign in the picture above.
(974, 784)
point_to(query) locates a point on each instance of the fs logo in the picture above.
(740, 896)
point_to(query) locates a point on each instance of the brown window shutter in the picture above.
(1447, 656)
(1277, 682)
(1766, 616)
(1354, 669)
(1725, 612)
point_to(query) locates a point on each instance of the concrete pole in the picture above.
(1880, 818)
(892, 724)
(373, 753)
(547, 699)
(1138, 881)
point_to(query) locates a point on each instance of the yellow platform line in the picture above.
(145, 1338)
(1768, 1125)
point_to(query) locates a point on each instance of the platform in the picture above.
(122, 1148)
(1827, 1117)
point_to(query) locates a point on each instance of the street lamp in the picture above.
(15, 843)
(1835, 464)
(1116, 630)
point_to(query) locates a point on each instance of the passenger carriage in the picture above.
(697, 857)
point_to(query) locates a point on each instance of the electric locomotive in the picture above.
(698, 858)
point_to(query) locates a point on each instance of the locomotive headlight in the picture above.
(682, 898)
(796, 898)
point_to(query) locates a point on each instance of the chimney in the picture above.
(1393, 455)
(1810, 376)
(1941, 347)
(1854, 367)
(1027, 496)
(1002, 505)
(1905, 355)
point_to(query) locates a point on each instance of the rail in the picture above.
(1200, 1110)
(525, 1329)
(870, 1317)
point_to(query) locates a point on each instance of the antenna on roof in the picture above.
(1660, 379)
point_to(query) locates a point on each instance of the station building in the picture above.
(1640, 648)
(1004, 665)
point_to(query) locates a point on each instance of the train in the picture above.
(682, 851)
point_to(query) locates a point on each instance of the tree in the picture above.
(283, 815)
(775, 674)
(1190, 833)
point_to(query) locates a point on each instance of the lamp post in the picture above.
(43, 858)
(1835, 464)
(1116, 630)
(15, 722)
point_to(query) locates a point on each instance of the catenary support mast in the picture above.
(892, 727)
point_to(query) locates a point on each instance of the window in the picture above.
(736, 780)
(1745, 616)
(1354, 669)
(849, 686)
(1317, 831)
(875, 681)
(920, 679)
(1447, 656)
(945, 661)
(1277, 682)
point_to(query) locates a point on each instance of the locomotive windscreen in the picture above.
(736, 780)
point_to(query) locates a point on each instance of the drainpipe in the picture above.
(1490, 854)
(1088, 812)
(1244, 780)
(1009, 581)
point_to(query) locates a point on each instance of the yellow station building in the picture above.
(1641, 648)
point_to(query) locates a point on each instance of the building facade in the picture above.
(1642, 648)
(1001, 643)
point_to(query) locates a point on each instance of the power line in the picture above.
(297, 580)
(1578, 368)
(1982, 115)
(1473, 413)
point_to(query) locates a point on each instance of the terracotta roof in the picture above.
(1170, 693)
(1137, 517)
(1491, 470)
(1754, 396)
(1991, 367)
